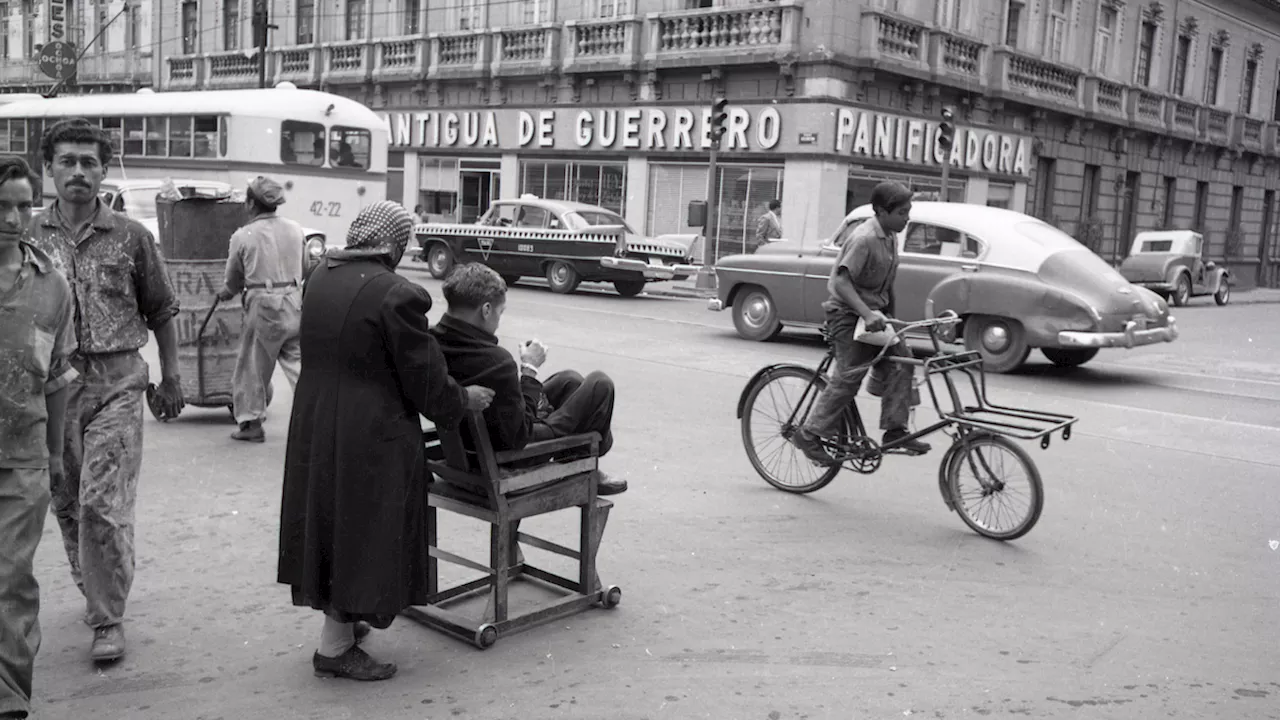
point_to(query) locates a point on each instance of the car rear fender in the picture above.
(762, 375)
(1042, 309)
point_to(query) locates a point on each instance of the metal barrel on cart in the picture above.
(195, 237)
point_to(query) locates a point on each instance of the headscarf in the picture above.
(381, 230)
(267, 192)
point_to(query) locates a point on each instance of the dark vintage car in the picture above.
(566, 242)
(1018, 283)
(1171, 263)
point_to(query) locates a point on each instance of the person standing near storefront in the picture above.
(121, 291)
(769, 225)
(36, 341)
(266, 264)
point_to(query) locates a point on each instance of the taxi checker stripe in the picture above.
(539, 233)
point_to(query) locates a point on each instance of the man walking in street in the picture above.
(36, 340)
(769, 225)
(266, 264)
(121, 292)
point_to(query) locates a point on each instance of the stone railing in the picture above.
(1147, 108)
(722, 35)
(1248, 132)
(399, 58)
(1032, 77)
(1105, 98)
(346, 61)
(184, 72)
(959, 57)
(1217, 125)
(299, 65)
(1183, 117)
(458, 54)
(890, 38)
(601, 44)
(232, 69)
(529, 49)
(123, 66)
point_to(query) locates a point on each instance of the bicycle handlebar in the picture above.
(946, 317)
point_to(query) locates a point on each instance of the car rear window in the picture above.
(1157, 246)
(581, 219)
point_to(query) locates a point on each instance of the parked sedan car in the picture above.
(1017, 282)
(1171, 263)
(566, 242)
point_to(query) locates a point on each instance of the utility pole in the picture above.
(261, 26)
(946, 139)
(719, 116)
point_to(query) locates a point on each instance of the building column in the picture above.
(412, 172)
(813, 197)
(510, 176)
(637, 203)
(1019, 201)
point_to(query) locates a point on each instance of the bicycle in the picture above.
(979, 432)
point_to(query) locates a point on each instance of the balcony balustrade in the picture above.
(720, 35)
(299, 65)
(593, 45)
(1147, 109)
(1183, 118)
(892, 40)
(458, 54)
(1030, 77)
(1106, 99)
(184, 72)
(117, 67)
(959, 58)
(1248, 132)
(231, 69)
(528, 50)
(347, 62)
(1217, 126)
(402, 58)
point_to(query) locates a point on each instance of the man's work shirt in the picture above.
(266, 253)
(36, 340)
(768, 227)
(117, 275)
(870, 256)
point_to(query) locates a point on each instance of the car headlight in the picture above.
(315, 248)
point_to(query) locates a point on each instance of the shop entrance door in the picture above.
(479, 189)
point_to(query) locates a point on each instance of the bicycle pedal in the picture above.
(903, 451)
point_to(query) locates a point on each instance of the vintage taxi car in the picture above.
(566, 242)
(1171, 263)
(1017, 282)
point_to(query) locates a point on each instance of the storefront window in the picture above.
(743, 194)
(1000, 195)
(601, 184)
(438, 188)
(927, 187)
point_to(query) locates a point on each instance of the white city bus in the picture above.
(329, 152)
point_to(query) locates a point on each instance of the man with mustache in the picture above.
(35, 342)
(121, 292)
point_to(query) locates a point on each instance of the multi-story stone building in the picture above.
(1104, 117)
(117, 34)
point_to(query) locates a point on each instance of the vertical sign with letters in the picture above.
(59, 23)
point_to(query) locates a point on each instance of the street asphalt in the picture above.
(1149, 589)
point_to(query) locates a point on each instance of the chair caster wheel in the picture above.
(612, 596)
(486, 636)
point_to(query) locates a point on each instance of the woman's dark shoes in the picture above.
(354, 664)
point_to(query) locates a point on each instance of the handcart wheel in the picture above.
(612, 596)
(486, 636)
(995, 486)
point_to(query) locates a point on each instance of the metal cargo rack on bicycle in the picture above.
(982, 433)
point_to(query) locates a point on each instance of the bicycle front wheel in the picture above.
(767, 429)
(995, 485)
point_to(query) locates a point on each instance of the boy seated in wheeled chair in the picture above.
(861, 287)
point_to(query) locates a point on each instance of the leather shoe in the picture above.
(108, 643)
(912, 447)
(354, 664)
(250, 432)
(608, 485)
(809, 444)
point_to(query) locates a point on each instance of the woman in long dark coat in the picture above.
(352, 521)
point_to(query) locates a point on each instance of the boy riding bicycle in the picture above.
(861, 288)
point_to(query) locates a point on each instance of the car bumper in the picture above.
(1160, 287)
(1131, 337)
(651, 271)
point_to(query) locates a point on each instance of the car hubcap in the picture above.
(995, 338)
(437, 261)
(559, 275)
(756, 312)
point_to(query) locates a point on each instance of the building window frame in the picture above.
(1170, 200)
(949, 14)
(1014, 11)
(611, 9)
(1105, 39)
(305, 16)
(469, 15)
(190, 14)
(353, 18)
(1201, 210)
(1144, 67)
(1181, 65)
(1213, 76)
(1057, 29)
(231, 25)
(411, 16)
(536, 12)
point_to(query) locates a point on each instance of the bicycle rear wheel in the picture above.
(766, 431)
(995, 485)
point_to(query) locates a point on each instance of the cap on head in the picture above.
(267, 192)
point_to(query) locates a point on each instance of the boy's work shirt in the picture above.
(36, 343)
(870, 256)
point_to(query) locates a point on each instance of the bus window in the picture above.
(133, 136)
(113, 127)
(206, 136)
(349, 147)
(4, 136)
(301, 143)
(157, 142)
(180, 136)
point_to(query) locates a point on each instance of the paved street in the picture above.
(1148, 589)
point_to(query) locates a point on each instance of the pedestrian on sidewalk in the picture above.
(267, 264)
(768, 225)
(353, 517)
(121, 290)
(36, 342)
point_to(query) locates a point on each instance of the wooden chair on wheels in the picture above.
(501, 488)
